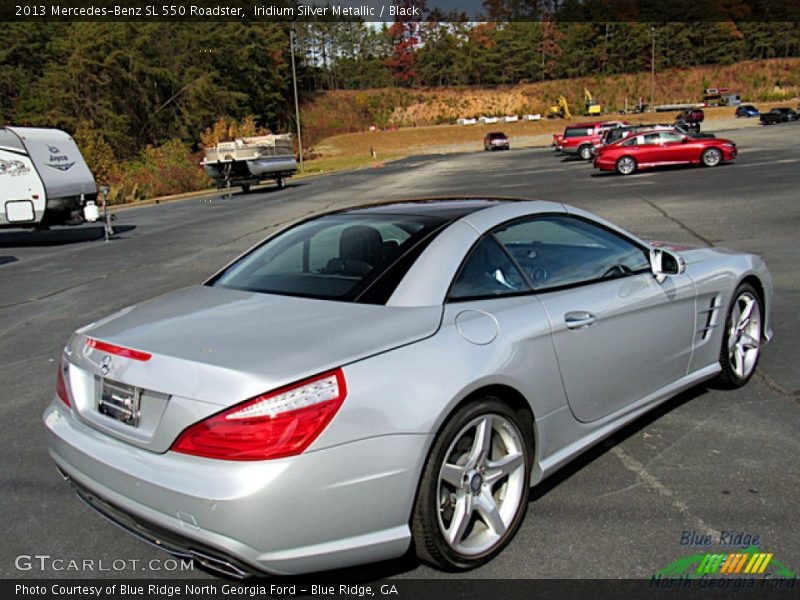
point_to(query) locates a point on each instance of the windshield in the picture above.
(348, 257)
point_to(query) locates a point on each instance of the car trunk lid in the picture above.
(189, 354)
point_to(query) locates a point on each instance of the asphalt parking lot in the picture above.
(708, 461)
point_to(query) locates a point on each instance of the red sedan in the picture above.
(656, 148)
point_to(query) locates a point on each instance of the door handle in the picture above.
(579, 319)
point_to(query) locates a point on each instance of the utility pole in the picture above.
(653, 70)
(296, 101)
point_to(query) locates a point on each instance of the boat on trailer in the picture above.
(248, 161)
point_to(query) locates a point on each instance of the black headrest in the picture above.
(361, 242)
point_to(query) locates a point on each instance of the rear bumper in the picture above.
(341, 506)
(174, 543)
(67, 210)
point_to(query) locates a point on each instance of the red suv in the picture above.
(580, 139)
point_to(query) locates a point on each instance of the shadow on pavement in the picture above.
(620, 436)
(58, 237)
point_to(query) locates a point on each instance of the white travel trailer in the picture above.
(43, 179)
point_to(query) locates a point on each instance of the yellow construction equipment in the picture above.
(560, 109)
(592, 106)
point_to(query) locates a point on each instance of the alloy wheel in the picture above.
(481, 484)
(712, 157)
(744, 335)
(626, 165)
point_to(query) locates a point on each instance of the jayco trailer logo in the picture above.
(58, 160)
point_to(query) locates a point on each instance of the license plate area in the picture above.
(120, 401)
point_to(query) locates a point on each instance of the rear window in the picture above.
(346, 257)
(578, 131)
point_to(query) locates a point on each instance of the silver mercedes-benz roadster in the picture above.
(390, 375)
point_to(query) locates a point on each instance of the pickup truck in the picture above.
(579, 139)
(778, 115)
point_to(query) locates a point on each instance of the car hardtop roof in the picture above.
(496, 133)
(446, 208)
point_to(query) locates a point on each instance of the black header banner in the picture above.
(255, 11)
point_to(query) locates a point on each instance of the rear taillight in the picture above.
(61, 384)
(277, 424)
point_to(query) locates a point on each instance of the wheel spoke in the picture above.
(453, 474)
(496, 470)
(461, 517)
(490, 513)
(736, 315)
(748, 342)
(744, 315)
(738, 361)
(482, 442)
(731, 339)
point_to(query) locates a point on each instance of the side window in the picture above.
(651, 138)
(630, 142)
(488, 272)
(556, 251)
(670, 138)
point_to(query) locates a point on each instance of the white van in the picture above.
(43, 179)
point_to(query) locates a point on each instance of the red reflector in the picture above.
(118, 350)
(275, 425)
(61, 385)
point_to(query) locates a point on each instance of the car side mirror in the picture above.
(685, 140)
(664, 263)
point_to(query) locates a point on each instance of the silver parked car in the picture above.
(390, 375)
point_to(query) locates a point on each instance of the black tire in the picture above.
(731, 377)
(431, 506)
(711, 157)
(281, 183)
(245, 188)
(585, 152)
(626, 165)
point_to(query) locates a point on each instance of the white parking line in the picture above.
(770, 162)
(629, 183)
(649, 480)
